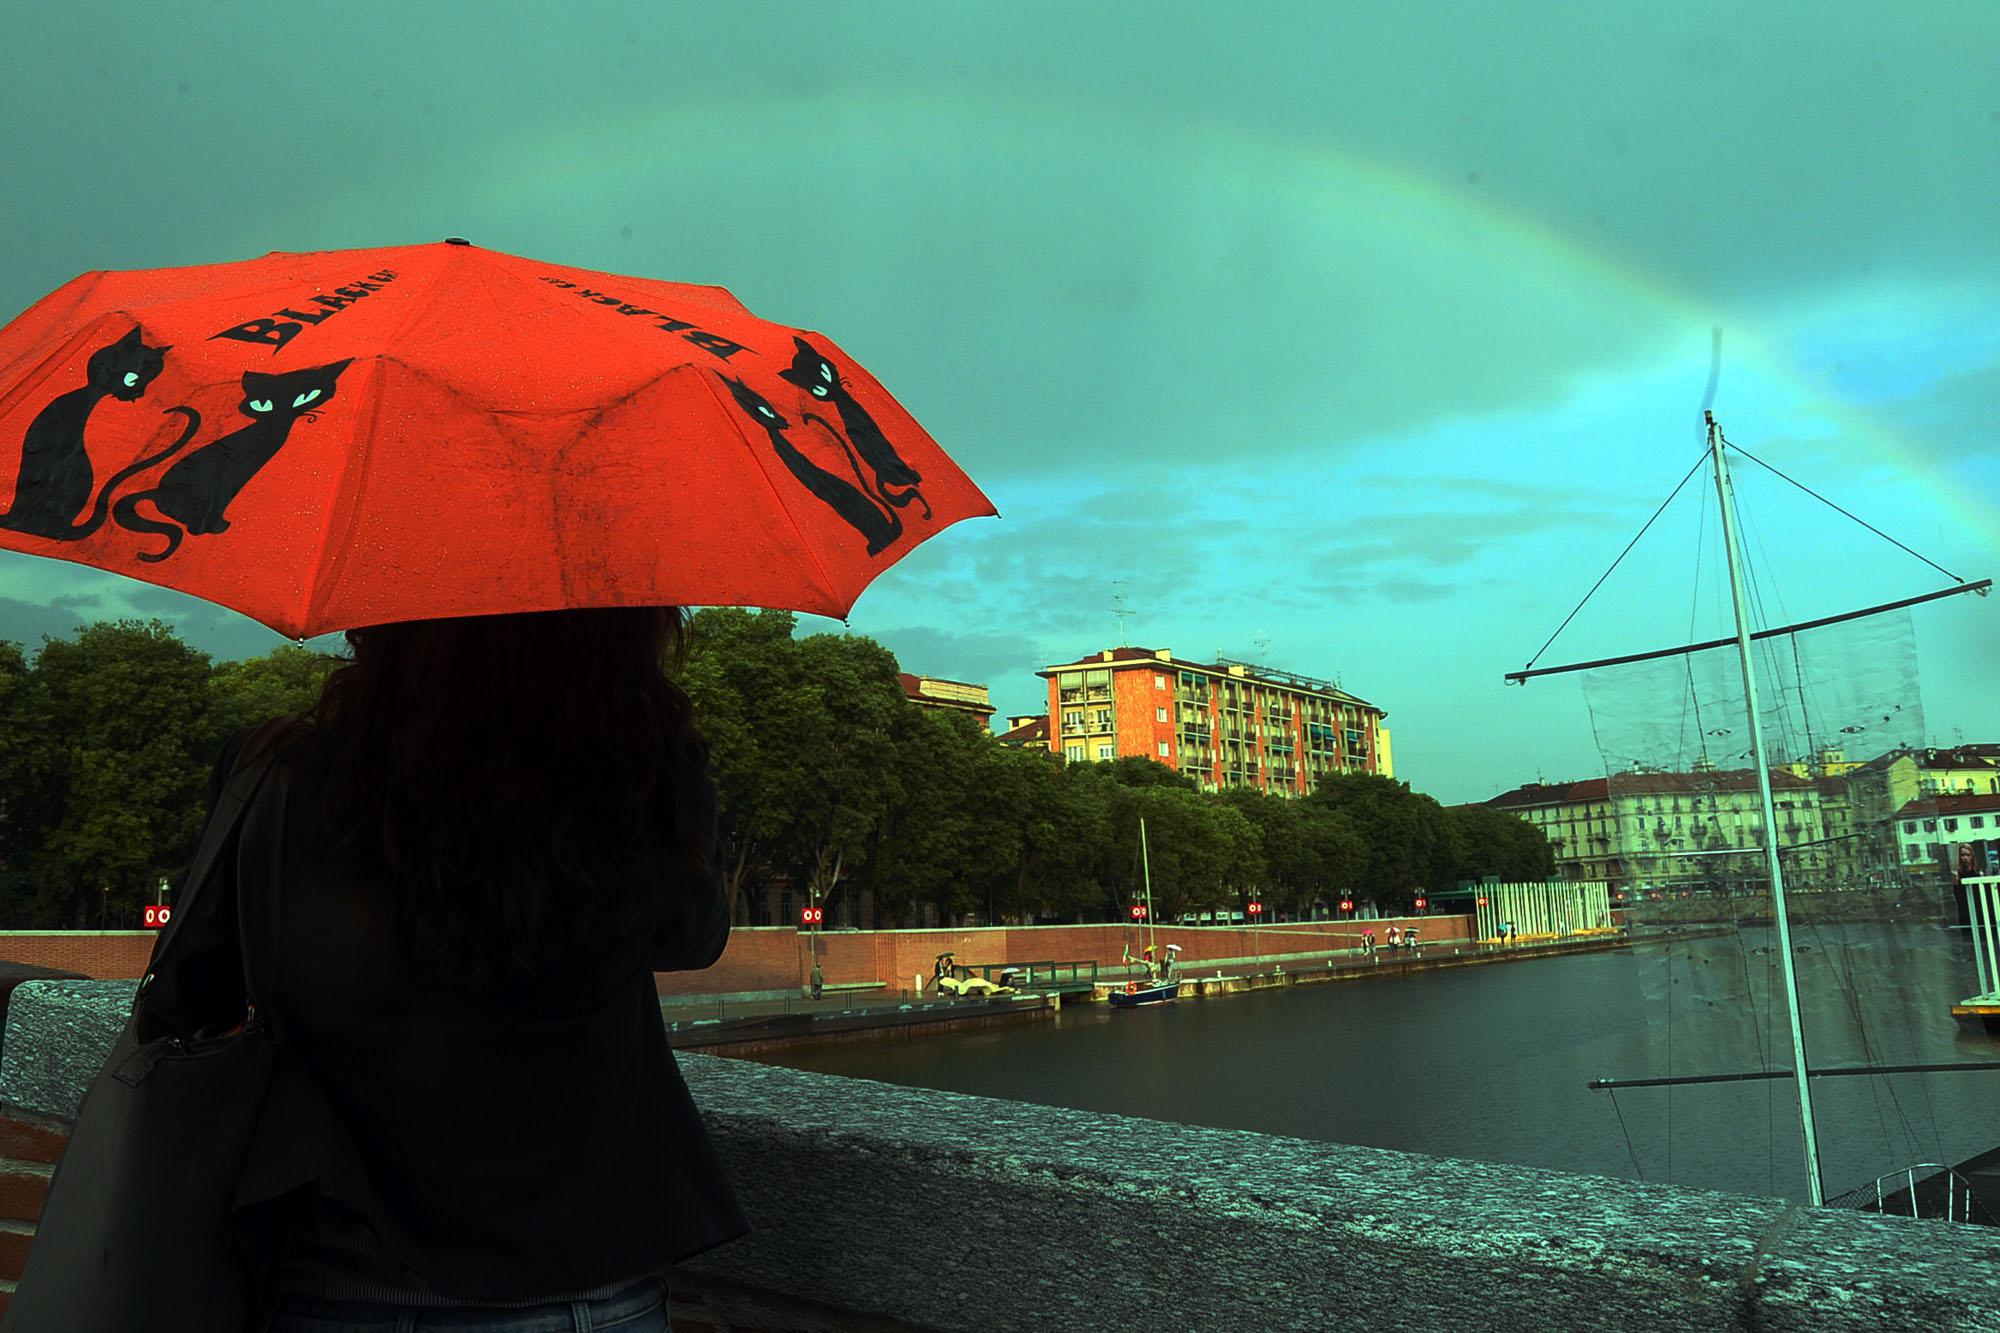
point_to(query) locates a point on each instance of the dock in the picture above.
(729, 1026)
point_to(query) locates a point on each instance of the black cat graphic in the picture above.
(819, 376)
(56, 476)
(880, 526)
(196, 492)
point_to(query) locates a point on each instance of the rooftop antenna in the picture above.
(1263, 642)
(1119, 609)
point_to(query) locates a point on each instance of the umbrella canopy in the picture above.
(355, 437)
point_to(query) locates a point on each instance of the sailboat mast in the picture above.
(1729, 540)
(1146, 867)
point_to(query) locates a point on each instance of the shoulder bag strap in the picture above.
(253, 762)
(260, 860)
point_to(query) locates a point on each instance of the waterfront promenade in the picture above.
(744, 1024)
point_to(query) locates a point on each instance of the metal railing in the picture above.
(1942, 1195)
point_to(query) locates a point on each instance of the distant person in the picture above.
(1368, 943)
(496, 829)
(818, 981)
(1395, 938)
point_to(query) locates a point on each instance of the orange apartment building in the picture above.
(1224, 724)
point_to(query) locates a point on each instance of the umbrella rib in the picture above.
(826, 583)
(316, 595)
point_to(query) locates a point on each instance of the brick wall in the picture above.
(30, 1146)
(101, 955)
(776, 958)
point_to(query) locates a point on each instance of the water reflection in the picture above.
(1491, 1062)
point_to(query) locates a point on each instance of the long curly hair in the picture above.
(506, 786)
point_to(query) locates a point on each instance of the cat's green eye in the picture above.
(131, 378)
(260, 404)
(305, 398)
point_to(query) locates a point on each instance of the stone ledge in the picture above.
(961, 1213)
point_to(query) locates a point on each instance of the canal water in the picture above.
(1490, 1062)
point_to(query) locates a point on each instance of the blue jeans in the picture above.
(638, 1309)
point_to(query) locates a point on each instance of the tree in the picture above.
(924, 847)
(803, 747)
(1491, 842)
(33, 783)
(1065, 830)
(1405, 848)
(285, 682)
(129, 711)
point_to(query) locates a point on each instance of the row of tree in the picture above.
(833, 788)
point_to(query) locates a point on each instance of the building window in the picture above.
(1909, 826)
(1951, 826)
(1159, 681)
(1159, 715)
(1073, 753)
(1930, 826)
(1979, 821)
(1104, 751)
(1163, 749)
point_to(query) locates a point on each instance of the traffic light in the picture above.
(1256, 908)
(811, 916)
(1421, 903)
(1347, 904)
(1138, 911)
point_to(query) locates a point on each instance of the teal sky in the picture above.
(1353, 339)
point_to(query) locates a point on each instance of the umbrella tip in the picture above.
(456, 240)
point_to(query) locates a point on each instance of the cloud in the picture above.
(27, 623)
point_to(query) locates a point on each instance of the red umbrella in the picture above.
(353, 437)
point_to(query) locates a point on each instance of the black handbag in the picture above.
(136, 1232)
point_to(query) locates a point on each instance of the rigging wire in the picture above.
(1848, 988)
(1614, 564)
(1630, 1151)
(1831, 505)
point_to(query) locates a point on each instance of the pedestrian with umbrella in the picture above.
(399, 1048)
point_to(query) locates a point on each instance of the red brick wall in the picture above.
(775, 957)
(102, 955)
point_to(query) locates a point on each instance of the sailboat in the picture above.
(1769, 838)
(1160, 986)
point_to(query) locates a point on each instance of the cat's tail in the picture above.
(877, 488)
(102, 508)
(129, 518)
